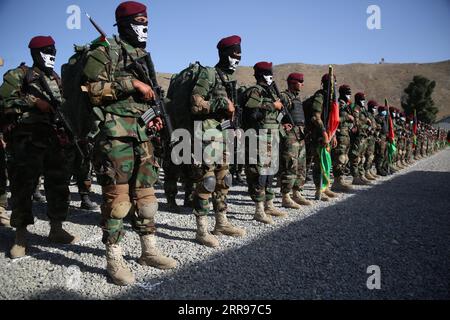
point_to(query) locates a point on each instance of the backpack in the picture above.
(77, 106)
(179, 95)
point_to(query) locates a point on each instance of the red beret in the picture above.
(295, 77)
(326, 76)
(129, 8)
(228, 42)
(344, 87)
(360, 96)
(372, 104)
(263, 66)
(41, 42)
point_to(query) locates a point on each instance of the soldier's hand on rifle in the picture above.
(43, 106)
(147, 92)
(156, 124)
(351, 118)
(287, 127)
(230, 108)
(278, 105)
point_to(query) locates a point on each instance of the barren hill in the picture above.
(376, 80)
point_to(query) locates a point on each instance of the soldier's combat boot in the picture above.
(358, 181)
(172, 205)
(369, 177)
(300, 199)
(330, 193)
(260, 214)
(59, 235)
(203, 236)
(270, 209)
(321, 196)
(20, 243)
(287, 202)
(37, 195)
(367, 181)
(88, 204)
(116, 266)
(340, 186)
(224, 227)
(152, 256)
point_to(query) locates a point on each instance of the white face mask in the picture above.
(141, 31)
(268, 79)
(384, 113)
(233, 63)
(49, 60)
(348, 97)
(363, 103)
(403, 119)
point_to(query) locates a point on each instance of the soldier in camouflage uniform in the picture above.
(340, 154)
(319, 137)
(261, 110)
(293, 152)
(123, 157)
(359, 141)
(381, 143)
(211, 105)
(371, 140)
(36, 144)
(4, 217)
(172, 174)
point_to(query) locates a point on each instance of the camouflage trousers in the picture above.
(214, 181)
(340, 154)
(357, 155)
(292, 163)
(3, 180)
(32, 151)
(316, 170)
(408, 150)
(380, 154)
(370, 154)
(127, 171)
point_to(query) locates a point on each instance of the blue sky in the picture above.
(282, 31)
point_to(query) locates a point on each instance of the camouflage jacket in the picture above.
(209, 97)
(345, 123)
(361, 118)
(289, 99)
(21, 89)
(259, 108)
(109, 84)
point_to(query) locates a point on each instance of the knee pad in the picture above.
(209, 183)
(120, 210)
(117, 201)
(342, 159)
(228, 180)
(148, 211)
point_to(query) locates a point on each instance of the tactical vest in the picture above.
(270, 119)
(344, 111)
(297, 112)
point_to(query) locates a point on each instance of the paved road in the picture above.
(401, 224)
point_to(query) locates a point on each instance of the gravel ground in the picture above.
(401, 224)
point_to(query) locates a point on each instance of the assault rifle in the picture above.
(284, 113)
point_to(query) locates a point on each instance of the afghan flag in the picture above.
(391, 146)
(100, 41)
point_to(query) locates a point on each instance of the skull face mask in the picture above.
(141, 31)
(233, 63)
(268, 79)
(49, 60)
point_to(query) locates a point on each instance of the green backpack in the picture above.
(179, 95)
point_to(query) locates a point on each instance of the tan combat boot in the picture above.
(321, 195)
(116, 266)
(203, 236)
(340, 186)
(224, 227)
(152, 256)
(369, 177)
(20, 244)
(5, 220)
(260, 214)
(330, 193)
(59, 235)
(300, 199)
(270, 209)
(287, 202)
(358, 181)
